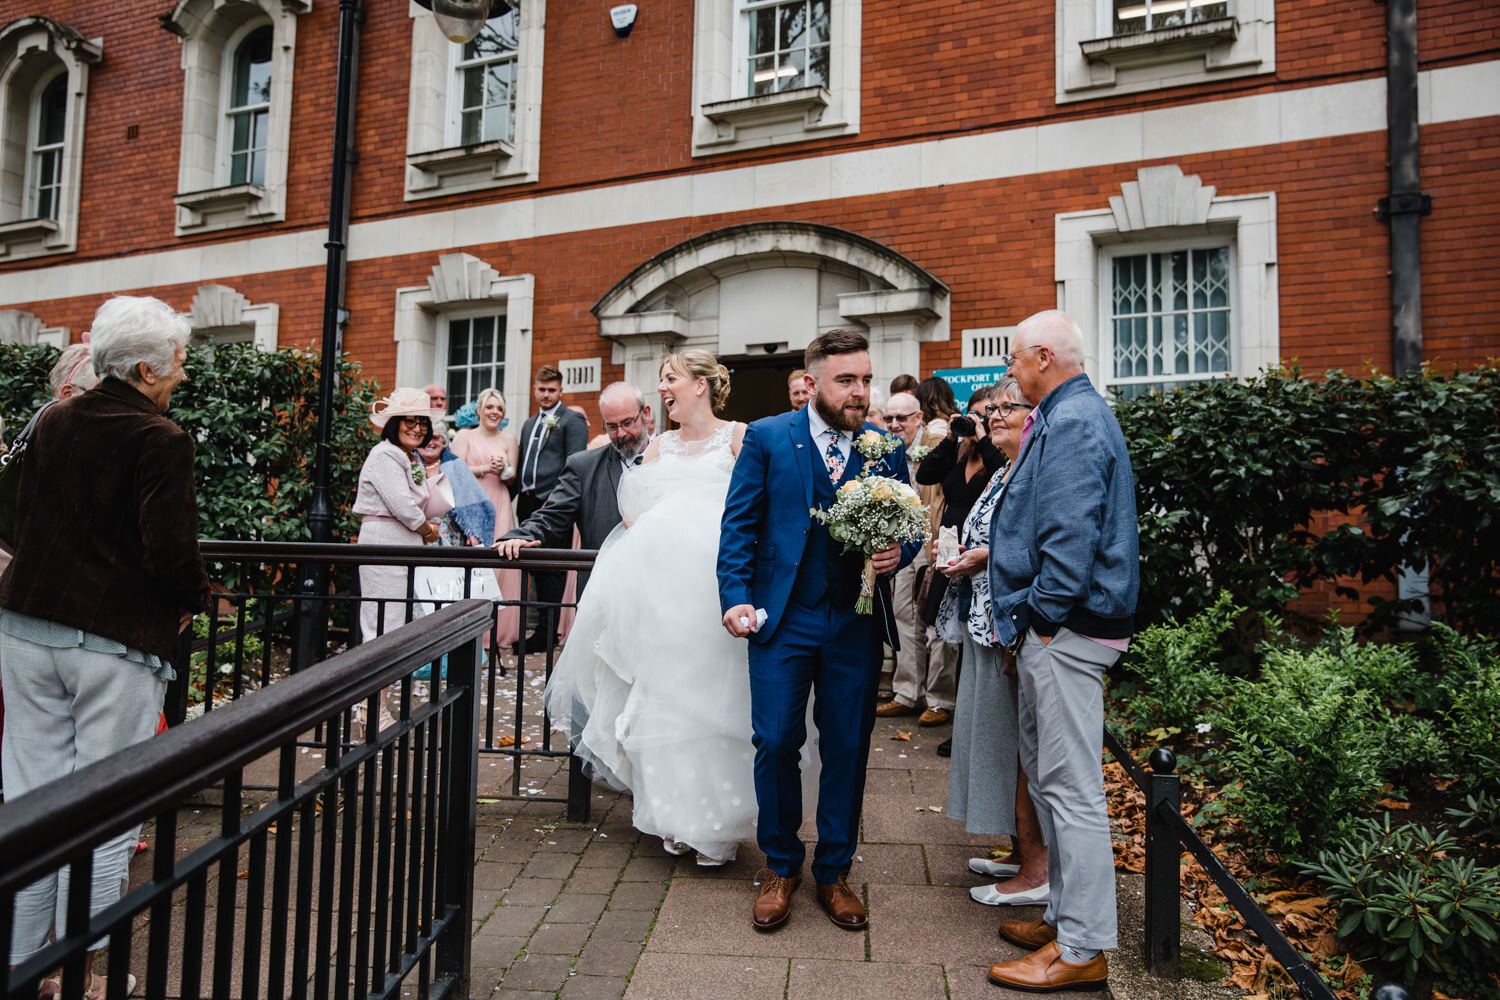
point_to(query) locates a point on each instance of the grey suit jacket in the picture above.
(585, 497)
(571, 435)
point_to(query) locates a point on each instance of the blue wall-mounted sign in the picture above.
(965, 380)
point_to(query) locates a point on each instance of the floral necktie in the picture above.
(834, 457)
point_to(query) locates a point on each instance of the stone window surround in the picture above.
(911, 310)
(208, 32)
(20, 327)
(24, 43)
(463, 285)
(1163, 209)
(220, 314)
(434, 166)
(1091, 63)
(726, 120)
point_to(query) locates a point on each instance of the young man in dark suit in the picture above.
(547, 439)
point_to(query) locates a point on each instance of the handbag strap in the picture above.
(19, 444)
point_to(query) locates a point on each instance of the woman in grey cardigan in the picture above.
(986, 789)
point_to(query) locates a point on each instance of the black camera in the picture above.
(961, 426)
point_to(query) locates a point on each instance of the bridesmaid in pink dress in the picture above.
(491, 454)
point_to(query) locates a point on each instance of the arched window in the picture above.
(484, 104)
(48, 137)
(247, 111)
(44, 77)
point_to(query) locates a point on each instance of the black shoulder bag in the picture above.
(10, 479)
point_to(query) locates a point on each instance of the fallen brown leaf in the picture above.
(901, 734)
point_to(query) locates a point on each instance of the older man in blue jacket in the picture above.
(1064, 577)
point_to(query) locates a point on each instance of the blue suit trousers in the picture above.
(835, 655)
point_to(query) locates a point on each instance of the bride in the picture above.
(654, 692)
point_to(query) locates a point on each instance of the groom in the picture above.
(775, 557)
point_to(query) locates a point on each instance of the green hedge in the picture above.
(1231, 475)
(253, 416)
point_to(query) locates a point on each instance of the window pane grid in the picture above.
(476, 358)
(788, 45)
(250, 109)
(487, 82)
(1132, 16)
(47, 149)
(1170, 318)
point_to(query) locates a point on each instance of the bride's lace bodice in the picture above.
(717, 448)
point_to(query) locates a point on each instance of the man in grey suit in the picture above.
(585, 494)
(548, 438)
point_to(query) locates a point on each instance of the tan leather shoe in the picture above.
(935, 717)
(843, 906)
(773, 899)
(893, 708)
(1044, 971)
(1029, 934)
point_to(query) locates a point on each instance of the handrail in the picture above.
(346, 553)
(1163, 930)
(67, 815)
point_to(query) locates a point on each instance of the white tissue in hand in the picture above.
(760, 619)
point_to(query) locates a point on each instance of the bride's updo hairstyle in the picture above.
(696, 364)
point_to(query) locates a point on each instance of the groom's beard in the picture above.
(851, 418)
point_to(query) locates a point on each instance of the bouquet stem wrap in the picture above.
(866, 603)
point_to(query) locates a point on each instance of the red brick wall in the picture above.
(616, 109)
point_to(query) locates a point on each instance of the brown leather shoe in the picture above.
(1044, 971)
(893, 708)
(935, 717)
(773, 900)
(843, 906)
(1029, 934)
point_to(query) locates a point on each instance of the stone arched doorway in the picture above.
(756, 294)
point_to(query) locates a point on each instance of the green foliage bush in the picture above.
(1230, 476)
(1420, 905)
(1178, 667)
(252, 415)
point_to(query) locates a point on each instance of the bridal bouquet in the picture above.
(869, 514)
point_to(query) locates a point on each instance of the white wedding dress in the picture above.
(654, 694)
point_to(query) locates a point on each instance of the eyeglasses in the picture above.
(610, 428)
(1007, 408)
(1010, 359)
(416, 422)
(896, 418)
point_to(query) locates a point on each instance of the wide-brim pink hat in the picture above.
(404, 403)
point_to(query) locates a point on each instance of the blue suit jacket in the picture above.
(767, 519)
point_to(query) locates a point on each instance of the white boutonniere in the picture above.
(418, 472)
(550, 421)
(875, 446)
(917, 452)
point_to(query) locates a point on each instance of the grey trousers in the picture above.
(65, 709)
(922, 675)
(1062, 726)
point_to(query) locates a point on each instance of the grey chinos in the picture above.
(1062, 726)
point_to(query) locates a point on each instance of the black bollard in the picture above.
(1163, 922)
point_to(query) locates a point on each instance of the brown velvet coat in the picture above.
(107, 521)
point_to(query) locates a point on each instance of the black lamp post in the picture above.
(460, 21)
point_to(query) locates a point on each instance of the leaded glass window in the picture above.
(48, 130)
(476, 357)
(1133, 16)
(487, 82)
(788, 45)
(1170, 318)
(249, 110)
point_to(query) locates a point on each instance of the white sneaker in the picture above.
(676, 847)
(994, 869)
(704, 861)
(990, 896)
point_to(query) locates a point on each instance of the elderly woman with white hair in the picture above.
(106, 574)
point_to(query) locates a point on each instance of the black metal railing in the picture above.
(351, 878)
(1168, 833)
(270, 623)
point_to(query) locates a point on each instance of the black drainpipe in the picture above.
(1406, 204)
